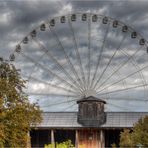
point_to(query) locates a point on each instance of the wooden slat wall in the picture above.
(84, 140)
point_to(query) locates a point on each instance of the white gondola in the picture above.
(43, 27)
(12, 57)
(105, 20)
(18, 48)
(94, 18)
(33, 33)
(25, 41)
(142, 41)
(73, 17)
(133, 35)
(124, 28)
(84, 17)
(63, 19)
(115, 24)
(52, 22)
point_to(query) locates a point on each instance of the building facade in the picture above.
(62, 126)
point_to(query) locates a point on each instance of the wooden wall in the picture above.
(90, 139)
(81, 138)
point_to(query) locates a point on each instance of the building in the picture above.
(64, 125)
(90, 127)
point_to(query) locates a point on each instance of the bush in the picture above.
(138, 135)
(66, 144)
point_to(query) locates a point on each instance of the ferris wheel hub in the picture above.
(89, 92)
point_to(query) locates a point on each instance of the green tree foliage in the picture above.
(16, 112)
(113, 145)
(138, 135)
(66, 144)
(125, 138)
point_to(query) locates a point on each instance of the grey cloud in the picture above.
(27, 15)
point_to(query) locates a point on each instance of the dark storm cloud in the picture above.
(22, 16)
(133, 13)
(18, 18)
(31, 12)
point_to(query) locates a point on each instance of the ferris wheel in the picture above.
(83, 54)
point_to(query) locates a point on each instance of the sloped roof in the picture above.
(69, 119)
(91, 98)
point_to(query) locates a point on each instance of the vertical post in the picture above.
(77, 139)
(28, 145)
(52, 138)
(102, 139)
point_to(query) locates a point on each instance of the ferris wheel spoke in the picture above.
(77, 53)
(50, 94)
(66, 56)
(52, 85)
(108, 64)
(136, 65)
(52, 73)
(89, 44)
(50, 56)
(129, 99)
(120, 107)
(61, 102)
(120, 90)
(100, 55)
(119, 67)
(57, 63)
(123, 81)
(70, 106)
(124, 78)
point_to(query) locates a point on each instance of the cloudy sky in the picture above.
(75, 65)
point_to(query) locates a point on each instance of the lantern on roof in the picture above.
(91, 112)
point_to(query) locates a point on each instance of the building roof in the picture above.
(69, 119)
(91, 98)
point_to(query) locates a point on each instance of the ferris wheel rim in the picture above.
(91, 14)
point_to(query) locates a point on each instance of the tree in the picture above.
(125, 139)
(138, 135)
(17, 114)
